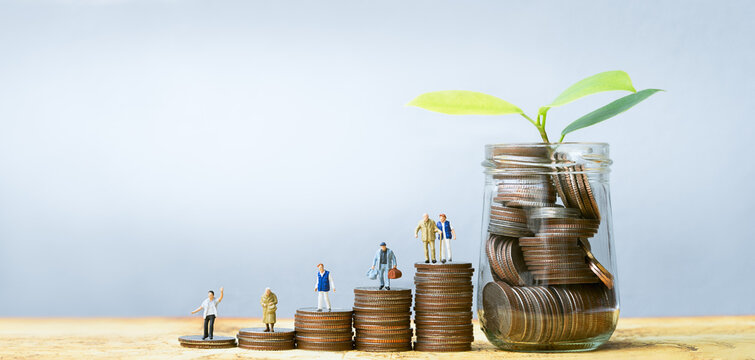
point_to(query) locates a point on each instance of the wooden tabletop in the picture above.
(731, 337)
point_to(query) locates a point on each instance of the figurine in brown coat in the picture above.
(428, 229)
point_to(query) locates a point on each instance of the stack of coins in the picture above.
(327, 330)
(382, 319)
(507, 261)
(548, 286)
(526, 191)
(543, 314)
(259, 339)
(508, 221)
(574, 188)
(443, 307)
(218, 342)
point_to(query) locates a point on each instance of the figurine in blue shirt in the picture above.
(323, 285)
(384, 260)
(447, 233)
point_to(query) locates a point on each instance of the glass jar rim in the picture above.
(533, 144)
(508, 158)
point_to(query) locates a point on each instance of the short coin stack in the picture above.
(259, 339)
(382, 319)
(218, 342)
(443, 307)
(327, 330)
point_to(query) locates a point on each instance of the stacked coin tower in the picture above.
(548, 288)
(327, 330)
(259, 339)
(443, 307)
(196, 342)
(382, 319)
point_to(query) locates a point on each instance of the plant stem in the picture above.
(562, 138)
(529, 119)
(540, 128)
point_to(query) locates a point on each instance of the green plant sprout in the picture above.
(463, 102)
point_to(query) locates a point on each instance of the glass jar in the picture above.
(547, 272)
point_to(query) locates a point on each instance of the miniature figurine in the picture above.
(323, 286)
(269, 302)
(428, 228)
(384, 259)
(447, 233)
(210, 306)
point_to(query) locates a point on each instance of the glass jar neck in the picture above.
(547, 159)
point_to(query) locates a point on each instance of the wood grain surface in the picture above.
(157, 338)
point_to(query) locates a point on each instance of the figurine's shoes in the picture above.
(434, 261)
(427, 261)
(387, 287)
(210, 337)
(381, 287)
(204, 338)
(328, 309)
(443, 260)
(449, 259)
(318, 309)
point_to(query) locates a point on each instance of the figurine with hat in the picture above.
(385, 262)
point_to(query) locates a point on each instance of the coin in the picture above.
(260, 332)
(325, 346)
(259, 339)
(262, 347)
(420, 346)
(375, 291)
(312, 311)
(267, 347)
(596, 267)
(583, 182)
(196, 341)
(443, 267)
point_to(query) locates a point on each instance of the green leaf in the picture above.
(462, 102)
(605, 81)
(606, 112)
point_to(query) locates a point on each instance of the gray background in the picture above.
(152, 150)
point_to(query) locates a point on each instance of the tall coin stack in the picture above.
(259, 339)
(327, 330)
(443, 307)
(548, 287)
(382, 319)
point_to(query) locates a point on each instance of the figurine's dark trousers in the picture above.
(209, 320)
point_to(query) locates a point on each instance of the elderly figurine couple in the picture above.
(445, 233)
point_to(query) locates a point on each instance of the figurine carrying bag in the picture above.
(394, 273)
(372, 274)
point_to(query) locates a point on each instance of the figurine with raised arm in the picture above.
(384, 260)
(428, 228)
(323, 286)
(269, 302)
(447, 233)
(210, 307)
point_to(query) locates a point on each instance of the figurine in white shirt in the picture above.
(210, 306)
(323, 286)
